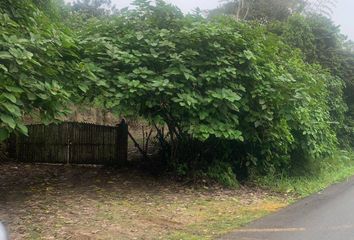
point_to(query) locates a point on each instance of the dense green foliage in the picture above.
(321, 42)
(39, 62)
(318, 38)
(233, 95)
(226, 90)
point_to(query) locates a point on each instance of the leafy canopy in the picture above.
(39, 64)
(208, 80)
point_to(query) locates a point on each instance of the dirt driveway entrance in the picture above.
(68, 202)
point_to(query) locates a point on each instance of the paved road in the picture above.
(328, 215)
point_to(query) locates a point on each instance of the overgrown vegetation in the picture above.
(40, 65)
(228, 96)
(323, 174)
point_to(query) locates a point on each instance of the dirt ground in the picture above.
(76, 202)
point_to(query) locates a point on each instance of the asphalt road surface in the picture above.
(328, 215)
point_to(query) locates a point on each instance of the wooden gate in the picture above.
(69, 142)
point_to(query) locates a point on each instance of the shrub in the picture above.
(217, 85)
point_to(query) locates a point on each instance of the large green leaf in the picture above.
(10, 97)
(8, 120)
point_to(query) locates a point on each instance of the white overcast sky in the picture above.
(343, 13)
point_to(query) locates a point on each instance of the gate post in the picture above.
(122, 143)
(11, 146)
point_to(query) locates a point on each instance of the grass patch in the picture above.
(330, 171)
(223, 217)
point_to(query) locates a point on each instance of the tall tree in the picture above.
(268, 10)
(263, 10)
(93, 8)
(323, 7)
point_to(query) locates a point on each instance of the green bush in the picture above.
(216, 85)
(321, 42)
